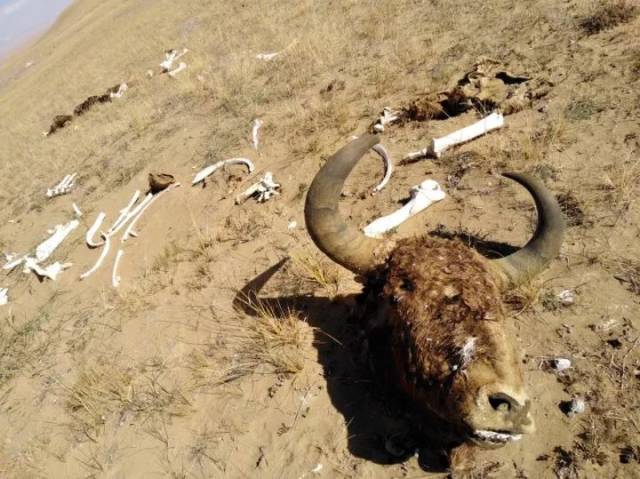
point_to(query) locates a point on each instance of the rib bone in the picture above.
(209, 170)
(115, 279)
(103, 255)
(92, 231)
(254, 132)
(143, 207)
(422, 196)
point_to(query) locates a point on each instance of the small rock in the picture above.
(573, 407)
(567, 297)
(560, 364)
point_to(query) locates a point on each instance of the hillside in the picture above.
(165, 375)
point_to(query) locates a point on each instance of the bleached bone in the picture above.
(422, 196)
(115, 279)
(47, 247)
(388, 116)
(263, 190)
(181, 67)
(52, 271)
(254, 133)
(170, 57)
(209, 170)
(76, 210)
(148, 201)
(13, 260)
(121, 89)
(103, 255)
(63, 187)
(388, 167)
(123, 214)
(267, 56)
(91, 232)
(440, 145)
(4, 296)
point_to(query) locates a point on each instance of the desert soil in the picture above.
(170, 375)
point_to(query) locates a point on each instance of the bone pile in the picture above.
(43, 251)
(263, 190)
(64, 187)
(422, 196)
(128, 216)
(171, 56)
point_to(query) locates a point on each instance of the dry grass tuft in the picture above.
(316, 272)
(623, 182)
(607, 14)
(524, 297)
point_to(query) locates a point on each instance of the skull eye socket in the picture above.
(500, 403)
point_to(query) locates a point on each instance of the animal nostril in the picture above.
(501, 402)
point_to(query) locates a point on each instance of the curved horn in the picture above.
(534, 257)
(343, 243)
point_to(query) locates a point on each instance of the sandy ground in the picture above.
(165, 376)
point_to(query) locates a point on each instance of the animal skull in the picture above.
(435, 307)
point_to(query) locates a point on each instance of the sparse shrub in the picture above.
(581, 109)
(608, 14)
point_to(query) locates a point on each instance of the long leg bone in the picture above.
(115, 279)
(209, 170)
(439, 145)
(122, 219)
(103, 255)
(254, 133)
(44, 250)
(76, 210)
(4, 296)
(149, 200)
(91, 232)
(422, 196)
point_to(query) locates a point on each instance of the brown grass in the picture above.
(607, 14)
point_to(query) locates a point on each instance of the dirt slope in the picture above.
(165, 377)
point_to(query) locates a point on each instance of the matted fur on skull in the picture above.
(438, 303)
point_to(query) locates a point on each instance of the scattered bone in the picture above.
(566, 297)
(388, 166)
(47, 247)
(292, 225)
(115, 279)
(91, 232)
(160, 181)
(52, 271)
(388, 116)
(169, 57)
(148, 201)
(560, 364)
(422, 196)
(63, 187)
(209, 170)
(13, 260)
(124, 215)
(103, 255)
(573, 407)
(4, 296)
(267, 56)
(121, 89)
(76, 210)
(317, 469)
(263, 190)
(180, 67)
(254, 132)
(440, 145)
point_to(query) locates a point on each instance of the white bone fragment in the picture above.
(124, 212)
(148, 201)
(263, 190)
(415, 155)
(388, 116)
(121, 89)
(149, 73)
(567, 297)
(52, 271)
(317, 469)
(47, 247)
(63, 187)
(267, 56)
(76, 210)
(292, 225)
(103, 255)
(180, 67)
(388, 167)
(13, 260)
(254, 132)
(560, 364)
(422, 196)
(91, 232)
(575, 406)
(170, 57)
(4, 296)
(115, 279)
(209, 170)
